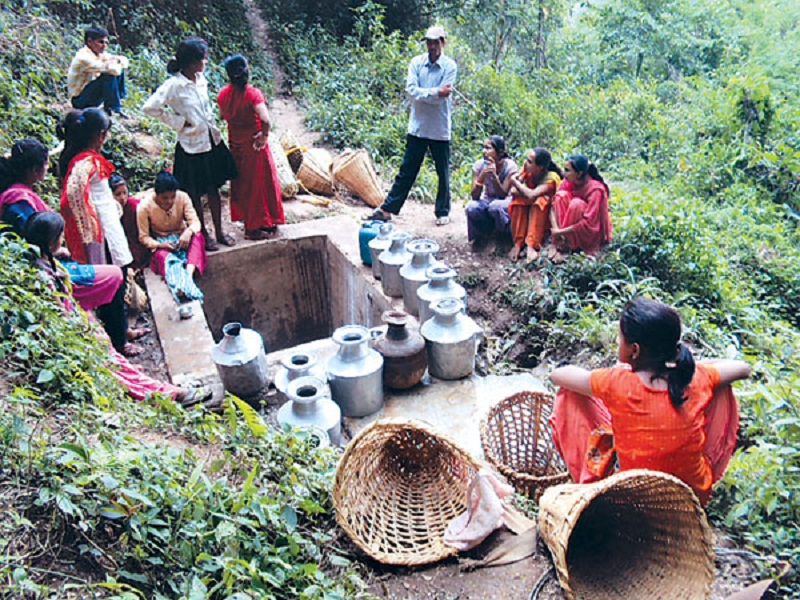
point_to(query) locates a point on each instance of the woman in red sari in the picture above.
(255, 193)
(580, 217)
(656, 410)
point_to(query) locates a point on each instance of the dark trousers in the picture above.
(107, 90)
(114, 316)
(416, 148)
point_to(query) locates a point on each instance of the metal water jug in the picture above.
(391, 260)
(297, 365)
(310, 407)
(355, 372)
(414, 273)
(405, 358)
(452, 340)
(377, 245)
(240, 360)
(441, 284)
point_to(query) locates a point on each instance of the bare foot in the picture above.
(515, 252)
(532, 254)
(551, 252)
(558, 257)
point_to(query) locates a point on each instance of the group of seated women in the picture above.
(102, 244)
(570, 205)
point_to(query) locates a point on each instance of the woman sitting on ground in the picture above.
(169, 226)
(487, 213)
(44, 230)
(580, 217)
(128, 205)
(667, 413)
(96, 287)
(532, 190)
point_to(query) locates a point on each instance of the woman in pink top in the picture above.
(256, 193)
(580, 216)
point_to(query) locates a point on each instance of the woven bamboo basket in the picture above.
(354, 170)
(397, 487)
(314, 176)
(292, 149)
(517, 439)
(637, 535)
(286, 177)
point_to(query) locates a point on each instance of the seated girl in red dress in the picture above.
(580, 217)
(658, 410)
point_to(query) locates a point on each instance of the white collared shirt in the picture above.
(184, 106)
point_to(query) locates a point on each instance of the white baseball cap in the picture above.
(435, 33)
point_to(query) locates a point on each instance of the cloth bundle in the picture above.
(180, 283)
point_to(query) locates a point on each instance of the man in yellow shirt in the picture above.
(96, 77)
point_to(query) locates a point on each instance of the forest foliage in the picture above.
(689, 107)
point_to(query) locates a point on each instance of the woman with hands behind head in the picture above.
(656, 410)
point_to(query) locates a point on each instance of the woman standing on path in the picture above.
(256, 193)
(202, 160)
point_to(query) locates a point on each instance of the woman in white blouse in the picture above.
(202, 160)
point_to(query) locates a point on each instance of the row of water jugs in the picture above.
(408, 269)
(352, 382)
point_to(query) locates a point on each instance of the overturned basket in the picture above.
(315, 171)
(397, 487)
(354, 170)
(517, 439)
(637, 535)
(286, 177)
(292, 149)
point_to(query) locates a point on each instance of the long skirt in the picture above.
(583, 434)
(256, 192)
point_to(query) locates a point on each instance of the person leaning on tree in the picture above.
(429, 84)
(96, 77)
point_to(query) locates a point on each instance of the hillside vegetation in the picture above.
(689, 107)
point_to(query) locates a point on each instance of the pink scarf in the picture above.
(19, 192)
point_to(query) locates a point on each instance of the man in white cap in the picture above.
(429, 84)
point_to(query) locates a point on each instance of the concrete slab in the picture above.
(456, 408)
(186, 343)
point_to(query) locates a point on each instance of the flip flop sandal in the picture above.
(378, 215)
(134, 333)
(226, 240)
(442, 221)
(196, 396)
(211, 245)
(256, 235)
(131, 349)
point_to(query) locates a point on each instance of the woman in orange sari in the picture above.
(531, 192)
(580, 218)
(657, 410)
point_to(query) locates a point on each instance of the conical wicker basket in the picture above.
(292, 149)
(637, 535)
(285, 175)
(354, 170)
(397, 487)
(516, 438)
(314, 174)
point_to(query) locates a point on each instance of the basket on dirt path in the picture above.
(315, 171)
(397, 487)
(292, 149)
(286, 177)
(637, 535)
(517, 439)
(354, 170)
